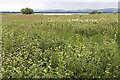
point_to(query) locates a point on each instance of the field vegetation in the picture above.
(64, 46)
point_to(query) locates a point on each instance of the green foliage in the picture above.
(114, 12)
(39, 46)
(95, 12)
(27, 11)
(99, 12)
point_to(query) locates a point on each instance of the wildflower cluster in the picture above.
(84, 21)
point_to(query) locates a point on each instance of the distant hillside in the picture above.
(79, 10)
(106, 10)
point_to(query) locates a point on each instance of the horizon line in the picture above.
(64, 9)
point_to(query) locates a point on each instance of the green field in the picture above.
(64, 46)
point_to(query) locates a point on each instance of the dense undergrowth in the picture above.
(76, 46)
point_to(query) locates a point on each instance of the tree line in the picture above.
(30, 11)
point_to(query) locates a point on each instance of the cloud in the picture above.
(17, 5)
(80, 5)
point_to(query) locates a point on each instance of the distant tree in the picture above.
(27, 11)
(94, 12)
(114, 12)
(99, 12)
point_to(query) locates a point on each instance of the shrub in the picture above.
(27, 11)
(94, 12)
(114, 12)
(99, 12)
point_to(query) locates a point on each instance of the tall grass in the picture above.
(74, 46)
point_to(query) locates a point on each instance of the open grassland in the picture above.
(68, 46)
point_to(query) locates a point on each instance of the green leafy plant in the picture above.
(27, 11)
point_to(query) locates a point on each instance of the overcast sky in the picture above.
(17, 5)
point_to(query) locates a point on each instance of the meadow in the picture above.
(64, 46)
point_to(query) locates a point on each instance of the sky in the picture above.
(17, 5)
